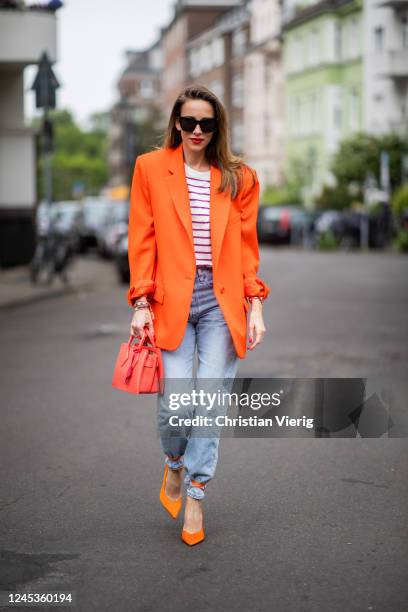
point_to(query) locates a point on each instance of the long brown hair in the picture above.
(217, 152)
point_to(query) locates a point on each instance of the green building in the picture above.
(323, 86)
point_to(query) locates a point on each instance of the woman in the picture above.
(193, 256)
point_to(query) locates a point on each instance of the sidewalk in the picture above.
(87, 273)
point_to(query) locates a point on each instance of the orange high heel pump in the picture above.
(173, 506)
(193, 537)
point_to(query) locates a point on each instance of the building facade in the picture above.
(24, 35)
(139, 88)
(216, 60)
(263, 120)
(323, 68)
(191, 18)
(386, 66)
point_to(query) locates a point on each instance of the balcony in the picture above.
(392, 64)
(394, 4)
(24, 35)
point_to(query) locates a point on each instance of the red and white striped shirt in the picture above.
(198, 184)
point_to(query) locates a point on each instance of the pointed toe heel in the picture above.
(173, 506)
(192, 538)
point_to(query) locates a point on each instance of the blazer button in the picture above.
(222, 290)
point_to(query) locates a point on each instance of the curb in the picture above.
(51, 294)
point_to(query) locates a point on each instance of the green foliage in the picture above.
(401, 241)
(78, 156)
(291, 191)
(297, 177)
(375, 208)
(334, 198)
(279, 195)
(328, 241)
(399, 200)
(360, 155)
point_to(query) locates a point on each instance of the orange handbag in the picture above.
(139, 367)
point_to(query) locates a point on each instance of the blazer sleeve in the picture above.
(142, 251)
(253, 285)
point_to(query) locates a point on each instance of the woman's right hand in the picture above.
(142, 318)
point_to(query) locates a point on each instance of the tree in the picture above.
(359, 155)
(79, 156)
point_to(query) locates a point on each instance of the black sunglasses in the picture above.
(206, 125)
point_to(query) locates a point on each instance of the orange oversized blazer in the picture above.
(161, 248)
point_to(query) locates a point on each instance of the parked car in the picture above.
(274, 223)
(93, 215)
(346, 226)
(114, 227)
(122, 260)
(302, 226)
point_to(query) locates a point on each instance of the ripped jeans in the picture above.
(217, 366)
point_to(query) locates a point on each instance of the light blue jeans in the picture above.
(217, 366)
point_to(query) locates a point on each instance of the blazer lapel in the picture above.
(219, 202)
(177, 184)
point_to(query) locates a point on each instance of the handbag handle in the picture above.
(138, 349)
(146, 333)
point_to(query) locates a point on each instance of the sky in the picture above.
(92, 36)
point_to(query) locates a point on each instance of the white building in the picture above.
(24, 35)
(264, 97)
(386, 66)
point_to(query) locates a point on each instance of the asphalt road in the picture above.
(292, 524)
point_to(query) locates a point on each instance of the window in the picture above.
(237, 136)
(191, 58)
(405, 32)
(146, 88)
(218, 51)
(337, 116)
(238, 90)
(354, 109)
(205, 58)
(238, 42)
(296, 115)
(313, 111)
(298, 53)
(338, 51)
(140, 114)
(313, 50)
(354, 37)
(268, 74)
(218, 88)
(268, 118)
(300, 116)
(379, 38)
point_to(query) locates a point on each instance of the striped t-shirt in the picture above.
(198, 184)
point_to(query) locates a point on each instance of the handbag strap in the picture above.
(143, 358)
(146, 333)
(161, 371)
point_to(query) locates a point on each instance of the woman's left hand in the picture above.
(256, 325)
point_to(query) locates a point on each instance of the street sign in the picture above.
(45, 84)
(78, 189)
